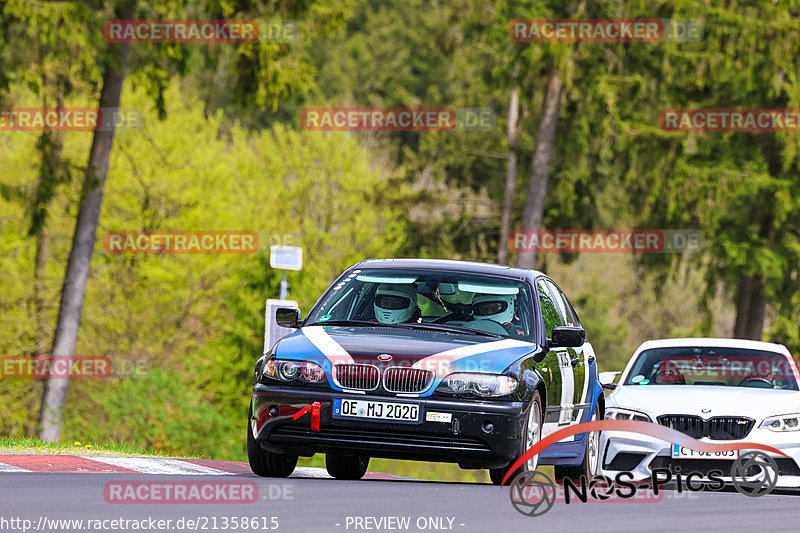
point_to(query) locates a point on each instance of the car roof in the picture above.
(450, 264)
(714, 342)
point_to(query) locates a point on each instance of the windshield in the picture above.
(727, 367)
(460, 301)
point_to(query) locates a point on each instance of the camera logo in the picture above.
(754, 474)
(533, 485)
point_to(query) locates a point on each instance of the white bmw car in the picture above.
(715, 390)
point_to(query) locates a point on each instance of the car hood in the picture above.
(705, 401)
(440, 352)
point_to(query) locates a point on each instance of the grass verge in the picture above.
(28, 446)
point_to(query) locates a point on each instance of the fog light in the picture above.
(273, 410)
(487, 427)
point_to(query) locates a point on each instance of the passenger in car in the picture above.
(499, 308)
(395, 304)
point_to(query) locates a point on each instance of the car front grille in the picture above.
(690, 425)
(405, 379)
(786, 466)
(356, 376)
(716, 428)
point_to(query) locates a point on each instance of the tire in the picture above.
(343, 466)
(268, 464)
(591, 456)
(531, 434)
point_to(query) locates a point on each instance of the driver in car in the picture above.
(498, 308)
(394, 304)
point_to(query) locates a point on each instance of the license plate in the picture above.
(345, 407)
(682, 452)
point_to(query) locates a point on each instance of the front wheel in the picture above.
(342, 466)
(267, 464)
(591, 456)
(531, 435)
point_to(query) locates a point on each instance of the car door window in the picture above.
(553, 313)
(550, 313)
(576, 355)
(565, 311)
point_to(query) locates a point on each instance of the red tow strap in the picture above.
(315, 409)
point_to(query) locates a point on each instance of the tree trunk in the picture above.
(74, 287)
(511, 170)
(540, 166)
(751, 302)
(53, 171)
(39, 292)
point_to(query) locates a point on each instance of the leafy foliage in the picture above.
(221, 148)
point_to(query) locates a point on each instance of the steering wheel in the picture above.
(767, 382)
(455, 315)
(462, 312)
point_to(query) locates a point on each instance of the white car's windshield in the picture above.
(460, 300)
(727, 367)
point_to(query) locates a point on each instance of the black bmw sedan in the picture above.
(430, 360)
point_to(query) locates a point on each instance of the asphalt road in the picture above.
(322, 505)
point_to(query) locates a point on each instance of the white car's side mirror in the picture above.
(607, 379)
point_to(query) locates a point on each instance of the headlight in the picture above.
(613, 413)
(293, 370)
(782, 423)
(486, 385)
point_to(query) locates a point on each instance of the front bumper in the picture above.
(481, 434)
(639, 454)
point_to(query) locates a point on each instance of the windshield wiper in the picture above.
(445, 327)
(363, 323)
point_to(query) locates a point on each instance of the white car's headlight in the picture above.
(782, 423)
(479, 384)
(614, 413)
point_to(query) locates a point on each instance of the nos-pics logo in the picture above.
(533, 493)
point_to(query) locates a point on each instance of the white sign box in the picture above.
(286, 257)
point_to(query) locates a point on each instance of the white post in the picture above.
(284, 287)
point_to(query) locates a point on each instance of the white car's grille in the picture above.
(716, 428)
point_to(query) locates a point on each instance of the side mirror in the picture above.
(288, 317)
(607, 379)
(567, 337)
